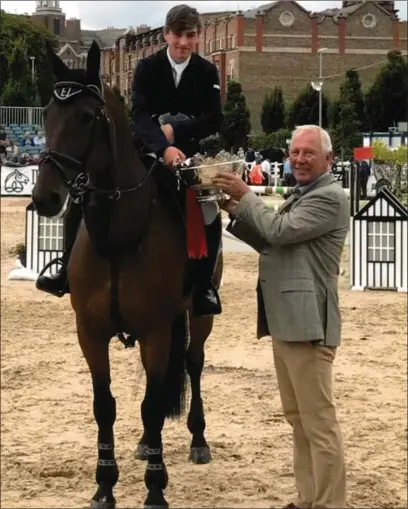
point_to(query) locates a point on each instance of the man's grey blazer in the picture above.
(300, 249)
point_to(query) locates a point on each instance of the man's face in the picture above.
(181, 45)
(307, 159)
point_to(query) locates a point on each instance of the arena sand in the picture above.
(48, 434)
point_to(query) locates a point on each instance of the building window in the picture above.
(231, 70)
(50, 234)
(56, 26)
(286, 19)
(381, 241)
(369, 21)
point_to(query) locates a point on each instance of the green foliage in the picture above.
(20, 90)
(305, 109)
(346, 134)
(383, 154)
(236, 125)
(351, 91)
(17, 30)
(273, 111)
(346, 116)
(387, 99)
(276, 139)
(392, 165)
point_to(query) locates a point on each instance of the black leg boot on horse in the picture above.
(57, 284)
(206, 300)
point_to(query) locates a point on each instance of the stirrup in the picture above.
(55, 261)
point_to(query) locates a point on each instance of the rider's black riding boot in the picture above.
(206, 300)
(57, 284)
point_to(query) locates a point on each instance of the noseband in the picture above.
(73, 171)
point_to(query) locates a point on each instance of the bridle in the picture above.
(74, 171)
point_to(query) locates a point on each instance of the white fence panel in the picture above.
(21, 115)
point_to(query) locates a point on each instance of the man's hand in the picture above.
(172, 156)
(231, 184)
(168, 132)
(228, 205)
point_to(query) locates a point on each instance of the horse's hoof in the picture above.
(155, 500)
(200, 455)
(103, 503)
(141, 452)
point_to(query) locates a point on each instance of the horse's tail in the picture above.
(175, 382)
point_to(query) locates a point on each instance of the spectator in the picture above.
(250, 156)
(27, 140)
(364, 174)
(267, 170)
(39, 140)
(288, 178)
(255, 176)
(3, 142)
(11, 149)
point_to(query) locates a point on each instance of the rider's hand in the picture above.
(168, 132)
(172, 156)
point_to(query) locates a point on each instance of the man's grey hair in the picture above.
(324, 136)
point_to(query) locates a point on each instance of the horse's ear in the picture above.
(60, 70)
(93, 62)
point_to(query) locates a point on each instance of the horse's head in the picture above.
(78, 137)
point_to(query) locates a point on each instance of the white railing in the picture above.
(21, 115)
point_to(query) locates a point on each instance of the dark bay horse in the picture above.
(129, 261)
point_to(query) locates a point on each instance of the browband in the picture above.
(64, 91)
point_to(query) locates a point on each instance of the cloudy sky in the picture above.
(101, 14)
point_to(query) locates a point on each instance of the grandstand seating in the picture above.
(16, 132)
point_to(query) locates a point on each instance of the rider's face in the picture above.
(181, 45)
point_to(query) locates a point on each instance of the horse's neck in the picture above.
(129, 169)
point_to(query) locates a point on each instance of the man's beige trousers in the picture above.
(304, 374)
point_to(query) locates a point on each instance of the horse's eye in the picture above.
(86, 118)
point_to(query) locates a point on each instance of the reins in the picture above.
(73, 171)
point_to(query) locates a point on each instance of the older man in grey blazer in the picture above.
(300, 248)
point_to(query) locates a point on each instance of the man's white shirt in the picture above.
(178, 69)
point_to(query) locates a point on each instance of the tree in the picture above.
(276, 139)
(273, 111)
(18, 28)
(391, 165)
(387, 99)
(305, 109)
(20, 90)
(236, 125)
(351, 92)
(347, 116)
(346, 134)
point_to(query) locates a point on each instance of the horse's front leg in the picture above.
(155, 354)
(96, 352)
(200, 328)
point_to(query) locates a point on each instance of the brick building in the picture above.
(277, 44)
(73, 41)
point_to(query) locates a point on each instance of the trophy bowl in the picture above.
(200, 170)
